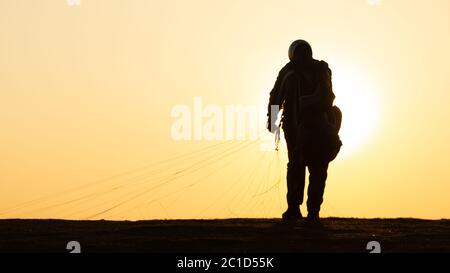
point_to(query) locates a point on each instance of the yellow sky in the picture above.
(86, 92)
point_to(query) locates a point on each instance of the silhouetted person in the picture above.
(310, 123)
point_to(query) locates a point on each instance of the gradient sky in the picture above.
(86, 92)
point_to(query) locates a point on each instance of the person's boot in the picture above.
(313, 220)
(292, 214)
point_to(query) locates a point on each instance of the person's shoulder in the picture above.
(286, 68)
(323, 66)
(290, 78)
(287, 72)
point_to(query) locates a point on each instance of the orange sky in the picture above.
(87, 91)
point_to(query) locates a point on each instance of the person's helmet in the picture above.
(295, 45)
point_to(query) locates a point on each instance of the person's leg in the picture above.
(316, 187)
(295, 183)
(295, 177)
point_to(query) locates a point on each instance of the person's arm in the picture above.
(276, 98)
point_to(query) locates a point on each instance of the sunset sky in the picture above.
(86, 92)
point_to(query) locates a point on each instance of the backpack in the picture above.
(320, 142)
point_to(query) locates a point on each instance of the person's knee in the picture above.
(319, 173)
(295, 163)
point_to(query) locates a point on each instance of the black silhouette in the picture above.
(310, 123)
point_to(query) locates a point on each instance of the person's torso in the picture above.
(299, 83)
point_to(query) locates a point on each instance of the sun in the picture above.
(357, 98)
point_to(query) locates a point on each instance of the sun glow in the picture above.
(356, 97)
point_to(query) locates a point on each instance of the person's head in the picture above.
(300, 51)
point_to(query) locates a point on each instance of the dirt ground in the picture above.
(225, 236)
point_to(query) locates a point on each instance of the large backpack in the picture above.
(321, 142)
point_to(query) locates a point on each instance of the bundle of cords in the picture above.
(277, 137)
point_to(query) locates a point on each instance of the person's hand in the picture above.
(271, 126)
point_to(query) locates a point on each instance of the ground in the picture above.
(225, 236)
